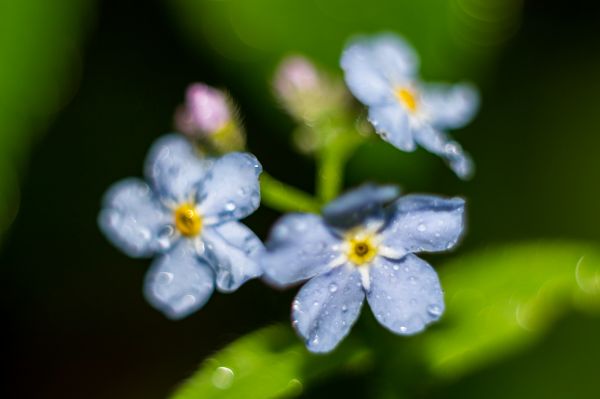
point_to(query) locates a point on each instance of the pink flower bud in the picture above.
(295, 75)
(205, 112)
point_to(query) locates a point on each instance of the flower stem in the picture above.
(331, 162)
(285, 198)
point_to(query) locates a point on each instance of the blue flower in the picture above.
(187, 216)
(361, 247)
(381, 72)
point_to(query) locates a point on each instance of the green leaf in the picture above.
(269, 363)
(451, 36)
(502, 300)
(38, 53)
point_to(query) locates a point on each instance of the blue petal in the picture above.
(405, 295)
(235, 252)
(133, 219)
(450, 106)
(424, 223)
(231, 189)
(327, 306)
(364, 80)
(395, 58)
(175, 168)
(392, 123)
(299, 247)
(355, 206)
(179, 282)
(439, 143)
(374, 66)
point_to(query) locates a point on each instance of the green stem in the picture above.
(285, 198)
(331, 163)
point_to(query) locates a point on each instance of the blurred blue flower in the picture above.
(382, 72)
(361, 247)
(188, 217)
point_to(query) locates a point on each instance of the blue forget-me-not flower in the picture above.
(187, 216)
(362, 246)
(382, 73)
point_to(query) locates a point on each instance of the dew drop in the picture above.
(421, 227)
(165, 278)
(222, 377)
(230, 206)
(412, 280)
(434, 310)
(396, 267)
(403, 329)
(333, 287)
(344, 308)
(315, 303)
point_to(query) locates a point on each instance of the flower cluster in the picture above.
(200, 183)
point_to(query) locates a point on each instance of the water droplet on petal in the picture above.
(421, 227)
(403, 329)
(230, 206)
(333, 287)
(434, 310)
(412, 279)
(315, 303)
(164, 278)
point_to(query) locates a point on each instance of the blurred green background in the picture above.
(85, 87)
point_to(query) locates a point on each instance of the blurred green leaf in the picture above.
(454, 36)
(500, 300)
(269, 363)
(38, 47)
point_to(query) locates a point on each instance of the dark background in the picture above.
(75, 321)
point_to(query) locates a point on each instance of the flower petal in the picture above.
(300, 246)
(355, 206)
(327, 306)
(235, 252)
(392, 123)
(175, 168)
(364, 79)
(394, 57)
(405, 295)
(424, 223)
(231, 189)
(132, 219)
(450, 106)
(439, 143)
(179, 282)
(374, 66)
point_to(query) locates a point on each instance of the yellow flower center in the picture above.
(361, 250)
(187, 220)
(407, 98)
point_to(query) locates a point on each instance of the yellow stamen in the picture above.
(407, 97)
(187, 220)
(361, 249)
